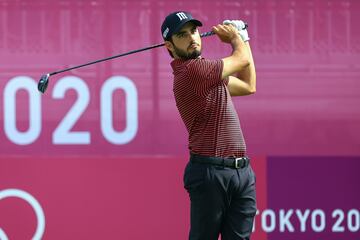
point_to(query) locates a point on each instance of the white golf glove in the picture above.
(241, 27)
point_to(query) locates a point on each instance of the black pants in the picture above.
(223, 201)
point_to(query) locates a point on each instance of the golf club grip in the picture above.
(206, 34)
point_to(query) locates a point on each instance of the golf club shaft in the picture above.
(120, 55)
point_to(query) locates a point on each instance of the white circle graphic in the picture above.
(3, 235)
(33, 203)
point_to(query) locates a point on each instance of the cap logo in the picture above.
(165, 33)
(181, 16)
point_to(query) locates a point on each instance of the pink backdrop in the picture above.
(104, 148)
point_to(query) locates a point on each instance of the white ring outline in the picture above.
(3, 235)
(33, 203)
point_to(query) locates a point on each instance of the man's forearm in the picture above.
(248, 74)
(240, 51)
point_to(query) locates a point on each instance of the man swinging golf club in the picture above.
(218, 176)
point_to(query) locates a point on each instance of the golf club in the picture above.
(44, 80)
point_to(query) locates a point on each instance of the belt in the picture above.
(232, 162)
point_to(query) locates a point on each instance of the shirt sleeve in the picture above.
(205, 74)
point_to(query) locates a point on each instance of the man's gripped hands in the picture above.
(226, 33)
(240, 26)
(229, 31)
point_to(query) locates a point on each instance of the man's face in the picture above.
(186, 43)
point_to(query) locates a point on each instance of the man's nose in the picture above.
(192, 36)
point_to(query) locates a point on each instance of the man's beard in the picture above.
(184, 55)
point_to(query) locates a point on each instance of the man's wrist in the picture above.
(236, 41)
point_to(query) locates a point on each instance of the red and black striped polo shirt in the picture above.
(206, 108)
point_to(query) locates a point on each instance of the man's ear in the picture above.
(169, 46)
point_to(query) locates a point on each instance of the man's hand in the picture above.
(240, 26)
(226, 33)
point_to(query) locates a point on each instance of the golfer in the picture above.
(218, 176)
